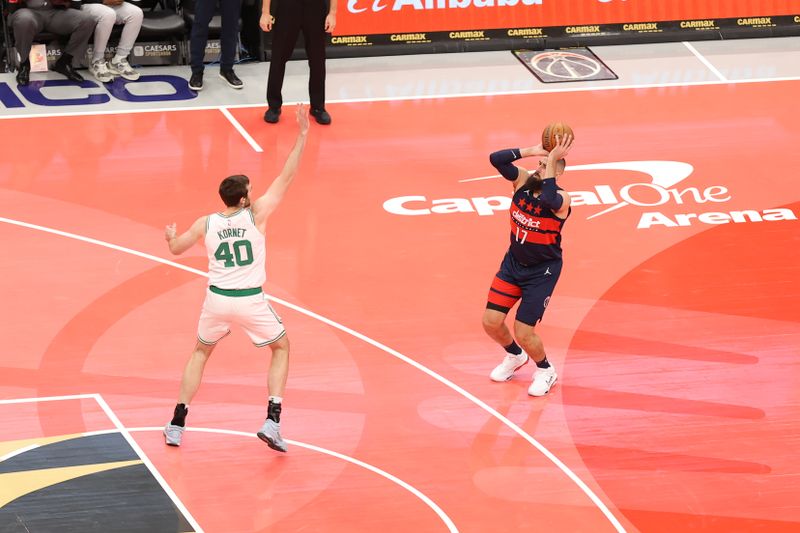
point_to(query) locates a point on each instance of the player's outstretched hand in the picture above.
(562, 147)
(302, 117)
(171, 231)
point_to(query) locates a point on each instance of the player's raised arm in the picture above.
(503, 161)
(557, 201)
(180, 243)
(266, 204)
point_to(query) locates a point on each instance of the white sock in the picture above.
(276, 399)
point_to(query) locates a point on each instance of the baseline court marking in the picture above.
(476, 94)
(126, 435)
(705, 61)
(419, 366)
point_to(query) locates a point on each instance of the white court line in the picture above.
(411, 97)
(394, 479)
(19, 452)
(47, 398)
(493, 177)
(441, 379)
(125, 432)
(122, 431)
(247, 137)
(705, 61)
(146, 460)
(98, 243)
(391, 477)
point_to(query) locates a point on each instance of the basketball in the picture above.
(550, 132)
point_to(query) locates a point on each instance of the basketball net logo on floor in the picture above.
(557, 66)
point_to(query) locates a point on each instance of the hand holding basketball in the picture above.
(538, 151)
(553, 130)
(562, 147)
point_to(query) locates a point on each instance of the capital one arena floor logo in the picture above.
(665, 186)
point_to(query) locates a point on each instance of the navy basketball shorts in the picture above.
(534, 284)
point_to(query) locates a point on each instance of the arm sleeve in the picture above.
(502, 160)
(549, 195)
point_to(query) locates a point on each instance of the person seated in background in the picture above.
(62, 17)
(106, 13)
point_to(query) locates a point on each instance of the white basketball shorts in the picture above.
(252, 313)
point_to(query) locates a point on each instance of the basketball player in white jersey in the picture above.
(234, 240)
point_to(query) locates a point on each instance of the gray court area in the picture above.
(427, 75)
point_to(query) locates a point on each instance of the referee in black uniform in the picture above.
(314, 18)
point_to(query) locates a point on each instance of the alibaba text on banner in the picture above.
(399, 16)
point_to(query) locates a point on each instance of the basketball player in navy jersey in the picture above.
(532, 265)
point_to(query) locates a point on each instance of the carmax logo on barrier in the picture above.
(359, 6)
(662, 189)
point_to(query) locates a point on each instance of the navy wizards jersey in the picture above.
(535, 229)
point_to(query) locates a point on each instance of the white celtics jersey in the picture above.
(236, 251)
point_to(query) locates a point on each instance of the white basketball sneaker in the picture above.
(543, 379)
(511, 363)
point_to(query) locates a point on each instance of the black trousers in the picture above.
(26, 23)
(230, 10)
(292, 17)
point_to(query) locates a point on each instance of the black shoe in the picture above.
(272, 115)
(64, 66)
(321, 116)
(196, 81)
(231, 78)
(24, 73)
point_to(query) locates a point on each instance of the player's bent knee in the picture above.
(523, 331)
(493, 320)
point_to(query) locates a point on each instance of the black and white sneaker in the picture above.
(231, 78)
(196, 81)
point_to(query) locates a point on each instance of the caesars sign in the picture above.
(364, 17)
